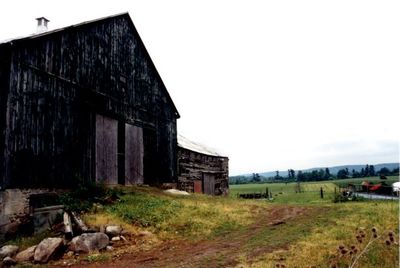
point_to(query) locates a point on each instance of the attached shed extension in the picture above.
(201, 169)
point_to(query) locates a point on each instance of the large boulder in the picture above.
(26, 255)
(8, 251)
(113, 230)
(48, 249)
(89, 242)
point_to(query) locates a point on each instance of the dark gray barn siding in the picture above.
(4, 89)
(60, 81)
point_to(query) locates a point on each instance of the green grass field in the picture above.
(285, 193)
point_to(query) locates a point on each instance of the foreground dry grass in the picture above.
(220, 251)
(340, 226)
(202, 231)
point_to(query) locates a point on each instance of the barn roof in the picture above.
(75, 26)
(185, 143)
(36, 35)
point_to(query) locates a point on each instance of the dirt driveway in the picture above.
(221, 252)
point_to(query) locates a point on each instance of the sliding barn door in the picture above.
(209, 183)
(106, 150)
(134, 153)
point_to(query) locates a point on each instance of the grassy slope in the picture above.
(304, 241)
(309, 240)
(194, 216)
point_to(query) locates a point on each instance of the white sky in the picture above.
(271, 84)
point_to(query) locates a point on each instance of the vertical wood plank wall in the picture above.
(5, 58)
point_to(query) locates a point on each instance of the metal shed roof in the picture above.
(185, 143)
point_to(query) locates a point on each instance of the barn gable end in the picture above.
(74, 95)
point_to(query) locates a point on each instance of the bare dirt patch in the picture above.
(222, 251)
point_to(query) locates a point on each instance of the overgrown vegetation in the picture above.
(85, 194)
(365, 241)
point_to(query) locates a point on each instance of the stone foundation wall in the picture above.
(15, 208)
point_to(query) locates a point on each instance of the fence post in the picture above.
(322, 193)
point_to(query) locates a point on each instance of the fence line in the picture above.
(268, 194)
(377, 193)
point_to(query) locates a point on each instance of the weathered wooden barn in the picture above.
(201, 169)
(84, 102)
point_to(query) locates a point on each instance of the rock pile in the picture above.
(55, 247)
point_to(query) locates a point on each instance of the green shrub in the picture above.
(86, 193)
(338, 197)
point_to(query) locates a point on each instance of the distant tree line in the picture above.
(368, 171)
(315, 175)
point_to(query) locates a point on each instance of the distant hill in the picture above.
(333, 170)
